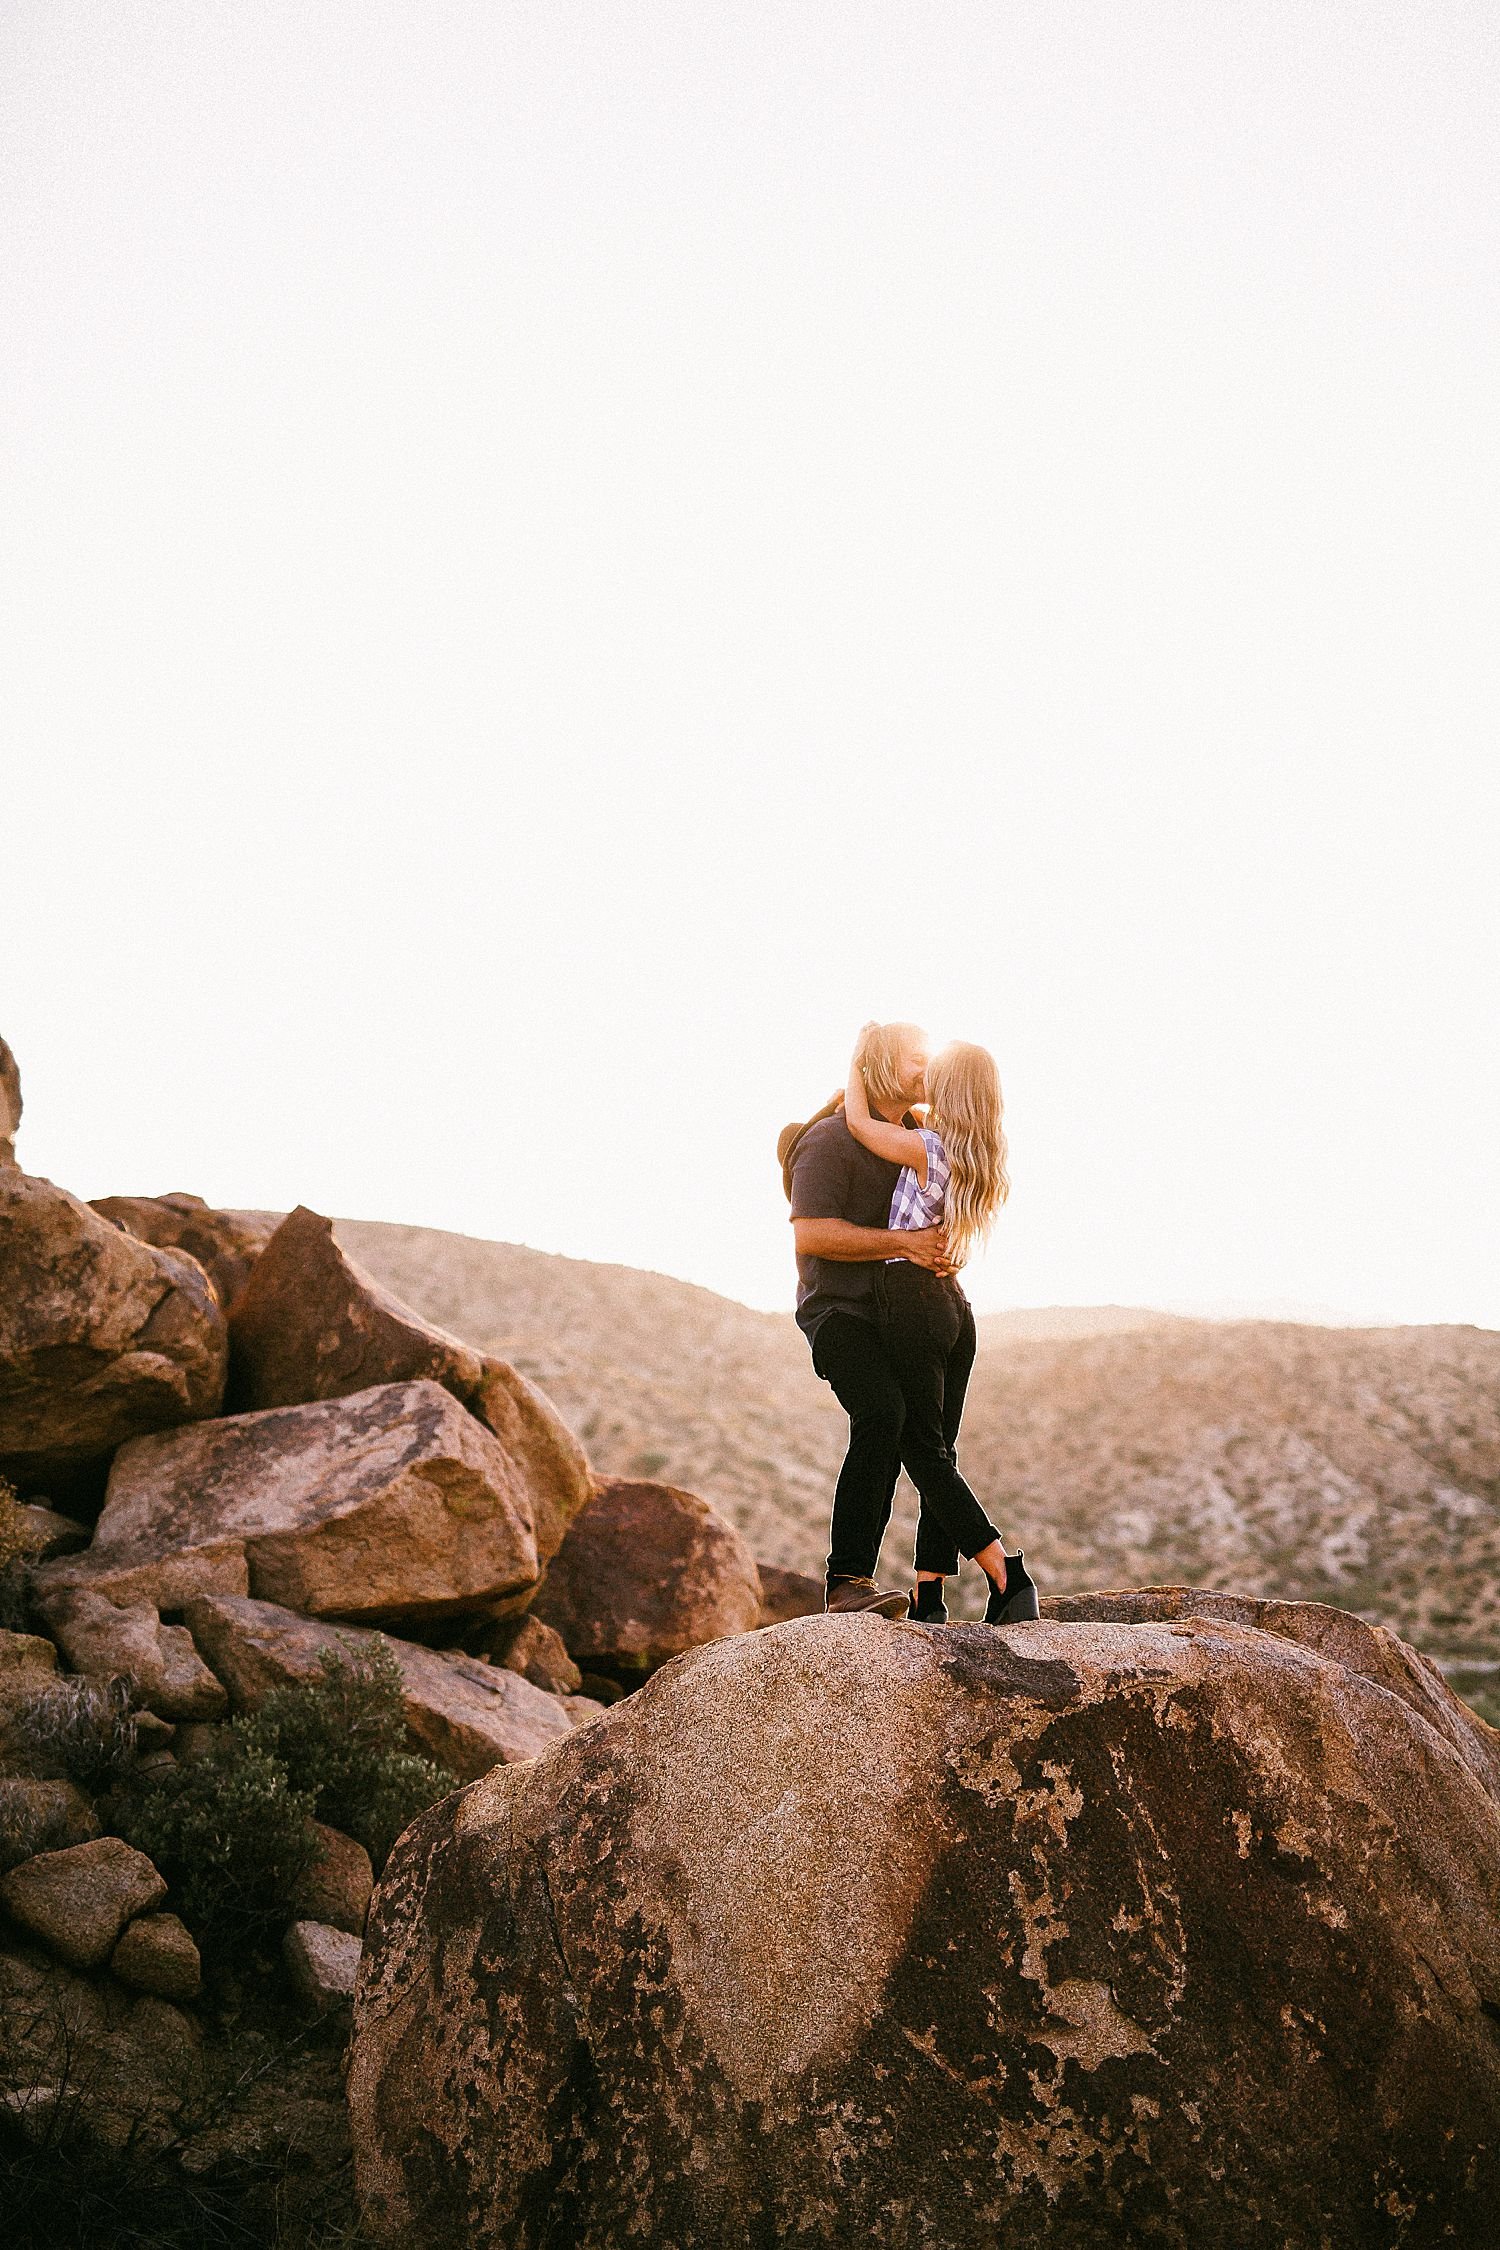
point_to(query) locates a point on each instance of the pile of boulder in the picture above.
(234, 1451)
(1173, 1917)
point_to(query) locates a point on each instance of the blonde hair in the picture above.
(879, 1060)
(967, 1112)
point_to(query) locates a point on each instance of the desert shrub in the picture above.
(18, 1545)
(27, 1827)
(230, 1834)
(17, 1538)
(342, 1738)
(80, 1730)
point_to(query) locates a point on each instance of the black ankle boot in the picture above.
(1015, 1602)
(926, 1606)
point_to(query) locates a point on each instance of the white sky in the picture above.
(557, 558)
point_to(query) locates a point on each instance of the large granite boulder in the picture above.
(10, 1104)
(392, 1504)
(863, 1933)
(1373, 1651)
(101, 1337)
(646, 1572)
(226, 1244)
(312, 1324)
(466, 1714)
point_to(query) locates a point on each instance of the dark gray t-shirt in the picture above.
(833, 1177)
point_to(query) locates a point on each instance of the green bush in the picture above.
(229, 1833)
(81, 1730)
(342, 1738)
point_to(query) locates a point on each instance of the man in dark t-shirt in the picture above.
(841, 1200)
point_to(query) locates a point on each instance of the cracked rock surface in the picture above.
(1171, 1930)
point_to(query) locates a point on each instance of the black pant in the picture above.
(930, 1340)
(904, 1397)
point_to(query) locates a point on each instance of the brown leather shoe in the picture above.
(852, 1594)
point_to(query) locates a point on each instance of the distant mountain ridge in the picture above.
(1351, 1465)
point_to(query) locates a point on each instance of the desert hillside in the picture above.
(1357, 1466)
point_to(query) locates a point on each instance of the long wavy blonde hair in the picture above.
(967, 1112)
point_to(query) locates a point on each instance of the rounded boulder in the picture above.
(846, 1932)
(646, 1572)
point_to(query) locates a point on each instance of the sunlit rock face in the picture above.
(1078, 1933)
(226, 1244)
(311, 1324)
(101, 1337)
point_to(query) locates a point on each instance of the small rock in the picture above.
(194, 1739)
(156, 1954)
(336, 1888)
(53, 1534)
(78, 1900)
(102, 1639)
(536, 1651)
(787, 1593)
(324, 1963)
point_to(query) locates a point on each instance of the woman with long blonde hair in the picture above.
(954, 1176)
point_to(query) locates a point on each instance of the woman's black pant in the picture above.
(929, 1336)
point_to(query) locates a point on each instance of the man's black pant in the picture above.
(902, 1385)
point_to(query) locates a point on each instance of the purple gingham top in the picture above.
(913, 1205)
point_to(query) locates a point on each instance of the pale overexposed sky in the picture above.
(555, 558)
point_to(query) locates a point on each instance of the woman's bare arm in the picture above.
(896, 1143)
(846, 1244)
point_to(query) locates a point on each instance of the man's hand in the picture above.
(926, 1246)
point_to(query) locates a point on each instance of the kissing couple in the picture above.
(892, 1185)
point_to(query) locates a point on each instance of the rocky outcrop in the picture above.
(646, 1572)
(466, 1714)
(101, 1338)
(311, 1324)
(226, 1244)
(1070, 1933)
(90, 2055)
(102, 1638)
(10, 1104)
(78, 1900)
(394, 1503)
